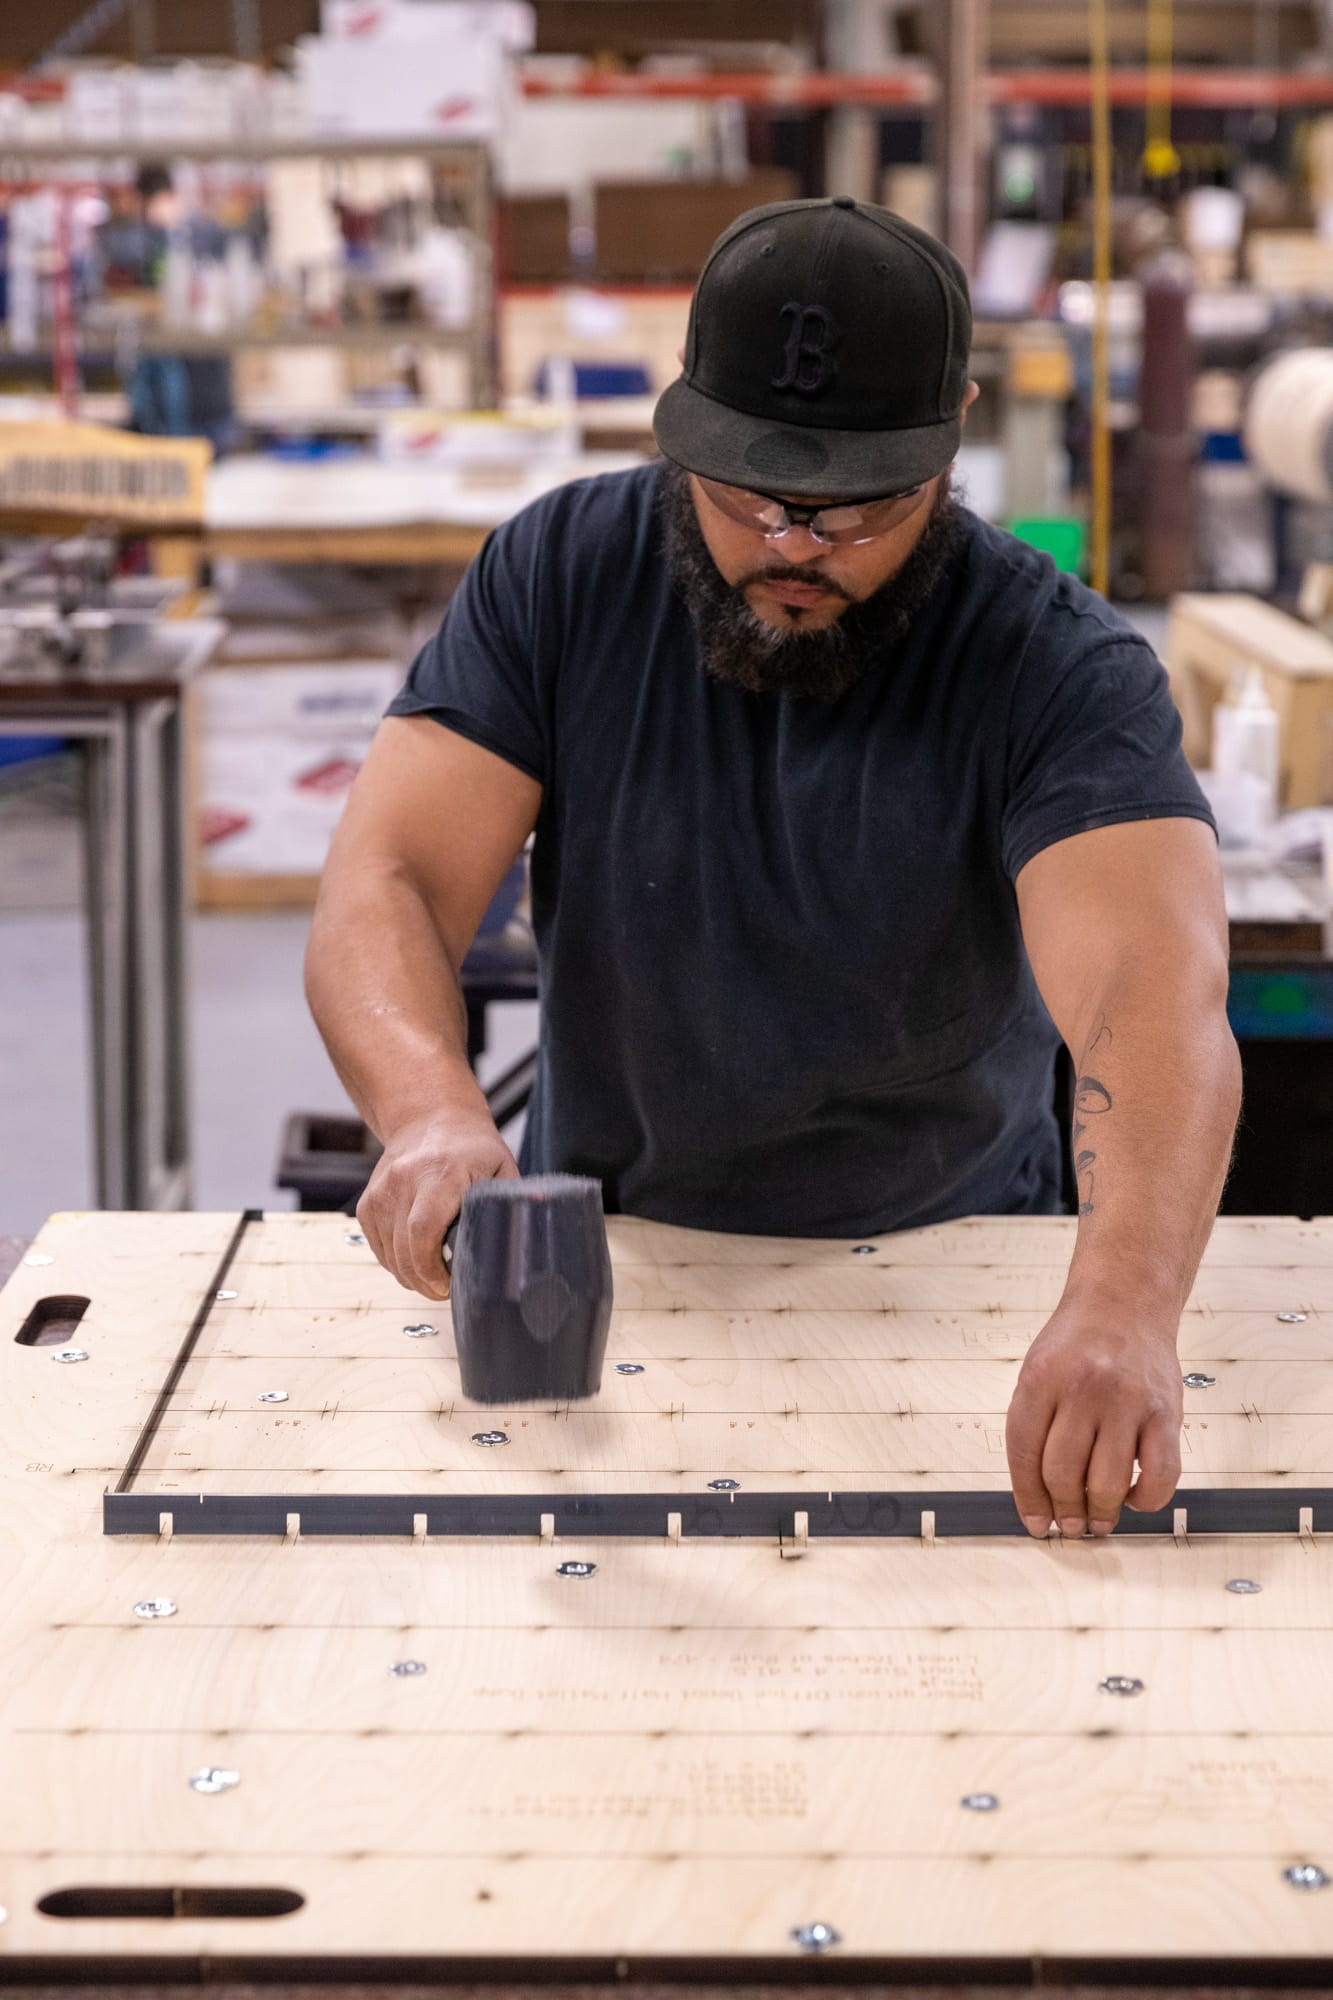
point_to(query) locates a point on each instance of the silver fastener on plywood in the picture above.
(816, 1937)
(1306, 1875)
(420, 1329)
(69, 1354)
(355, 1238)
(408, 1670)
(273, 1395)
(1121, 1684)
(576, 1569)
(1293, 1319)
(211, 1779)
(865, 1250)
(1197, 1381)
(724, 1485)
(225, 1296)
(981, 1802)
(1244, 1586)
(490, 1437)
(155, 1607)
(629, 1368)
(37, 1260)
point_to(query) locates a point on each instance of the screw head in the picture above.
(816, 1937)
(490, 1437)
(865, 1250)
(225, 1297)
(1121, 1684)
(1293, 1319)
(155, 1607)
(67, 1354)
(420, 1330)
(210, 1780)
(629, 1368)
(983, 1802)
(1306, 1875)
(408, 1670)
(576, 1569)
(355, 1238)
(1244, 1586)
(37, 1260)
(724, 1485)
(1197, 1381)
(273, 1395)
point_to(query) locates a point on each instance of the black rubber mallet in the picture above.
(531, 1290)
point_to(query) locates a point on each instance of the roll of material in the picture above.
(1289, 423)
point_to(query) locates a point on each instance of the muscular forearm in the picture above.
(1156, 1102)
(387, 999)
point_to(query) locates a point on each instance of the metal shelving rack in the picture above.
(465, 167)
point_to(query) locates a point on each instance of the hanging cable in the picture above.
(1100, 49)
(1161, 161)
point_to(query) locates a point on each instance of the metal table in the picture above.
(127, 723)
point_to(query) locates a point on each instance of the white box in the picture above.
(281, 748)
(510, 23)
(98, 107)
(441, 87)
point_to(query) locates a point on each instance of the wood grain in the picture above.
(703, 1745)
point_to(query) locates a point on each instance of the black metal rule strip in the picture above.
(134, 1464)
(1222, 1510)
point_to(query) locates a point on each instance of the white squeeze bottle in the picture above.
(1245, 736)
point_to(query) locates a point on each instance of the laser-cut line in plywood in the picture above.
(698, 1747)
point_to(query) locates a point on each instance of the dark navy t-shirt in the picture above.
(784, 986)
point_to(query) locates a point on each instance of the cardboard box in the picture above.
(445, 86)
(660, 231)
(281, 744)
(534, 239)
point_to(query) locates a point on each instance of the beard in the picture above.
(740, 647)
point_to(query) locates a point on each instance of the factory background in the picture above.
(298, 301)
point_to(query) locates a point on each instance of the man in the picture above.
(841, 799)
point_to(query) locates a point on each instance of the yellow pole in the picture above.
(1100, 48)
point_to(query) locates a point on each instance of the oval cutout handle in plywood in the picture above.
(190, 1899)
(53, 1321)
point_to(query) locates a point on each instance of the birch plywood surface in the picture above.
(701, 1746)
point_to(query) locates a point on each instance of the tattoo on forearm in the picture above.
(1091, 1100)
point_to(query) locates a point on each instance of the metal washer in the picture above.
(211, 1780)
(816, 1937)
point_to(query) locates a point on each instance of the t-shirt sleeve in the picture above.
(479, 675)
(1094, 745)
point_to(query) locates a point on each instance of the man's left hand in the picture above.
(1098, 1391)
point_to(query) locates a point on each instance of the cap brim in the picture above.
(724, 444)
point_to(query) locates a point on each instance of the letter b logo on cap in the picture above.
(807, 363)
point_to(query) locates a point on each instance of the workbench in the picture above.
(743, 1671)
(369, 510)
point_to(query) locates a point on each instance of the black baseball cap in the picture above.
(827, 355)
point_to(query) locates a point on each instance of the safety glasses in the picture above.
(844, 524)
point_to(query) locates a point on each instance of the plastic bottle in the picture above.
(1245, 736)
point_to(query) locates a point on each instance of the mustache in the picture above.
(805, 573)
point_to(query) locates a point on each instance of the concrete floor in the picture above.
(256, 1056)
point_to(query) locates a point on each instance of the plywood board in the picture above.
(699, 1747)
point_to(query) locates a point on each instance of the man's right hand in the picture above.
(417, 1189)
